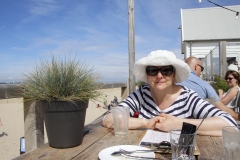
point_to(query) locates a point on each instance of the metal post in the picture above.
(205, 70)
(211, 65)
(207, 73)
(190, 49)
(222, 58)
(131, 45)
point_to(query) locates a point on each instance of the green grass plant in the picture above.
(140, 83)
(61, 80)
(219, 83)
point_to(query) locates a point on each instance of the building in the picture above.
(211, 31)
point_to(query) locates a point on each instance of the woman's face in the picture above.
(161, 77)
(231, 80)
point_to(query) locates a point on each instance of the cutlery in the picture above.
(163, 145)
(140, 151)
(140, 157)
(121, 151)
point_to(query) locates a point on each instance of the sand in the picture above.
(93, 112)
(12, 129)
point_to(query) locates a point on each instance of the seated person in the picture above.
(236, 63)
(194, 82)
(232, 78)
(203, 89)
(163, 105)
(98, 106)
(110, 105)
(115, 101)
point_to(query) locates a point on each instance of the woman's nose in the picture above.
(159, 75)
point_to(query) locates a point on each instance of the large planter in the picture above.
(64, 122)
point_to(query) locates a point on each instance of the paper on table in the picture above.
(154, 136)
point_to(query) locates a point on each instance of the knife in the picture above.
(140, 157)
(136, 151)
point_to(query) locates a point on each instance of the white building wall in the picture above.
(201, 49)
(209, 23)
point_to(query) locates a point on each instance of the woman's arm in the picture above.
(229, 96)
(211, 126)
(220, 93)
(134, 123)
(222, 107)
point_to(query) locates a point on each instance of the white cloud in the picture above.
(20, 49)
(96, 31)
(42, 7)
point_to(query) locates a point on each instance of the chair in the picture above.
(236, 102)
(211, 100)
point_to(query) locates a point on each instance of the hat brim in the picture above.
(182, 70)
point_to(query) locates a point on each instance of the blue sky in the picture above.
(95, 31)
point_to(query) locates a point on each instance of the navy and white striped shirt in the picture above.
(187, 105)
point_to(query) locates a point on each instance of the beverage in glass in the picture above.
(120, 117)
(231, 142)
(183, 145)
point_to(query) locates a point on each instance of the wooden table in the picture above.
(99, 138)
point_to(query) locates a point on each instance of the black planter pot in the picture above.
(64, 122)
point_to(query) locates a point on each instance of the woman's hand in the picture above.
(169, 123)
(220, 91)
(151, 123)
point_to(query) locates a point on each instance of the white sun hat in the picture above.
(161, 58)
(232, 67)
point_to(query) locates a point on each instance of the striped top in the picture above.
(187, 105)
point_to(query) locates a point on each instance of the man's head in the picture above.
(195, 64)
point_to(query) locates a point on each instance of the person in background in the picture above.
(115, 101)
(163, 105)
(194, 81)
(105, 101)
(110, 105)
(98, 106)
(232, 78)
(203, 89)
(236, 63)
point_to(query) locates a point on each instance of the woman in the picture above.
(162, 105)
(115, 100)
(232, 78)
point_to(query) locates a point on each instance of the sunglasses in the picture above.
(166, 70)
(202, 68)
(229, 78)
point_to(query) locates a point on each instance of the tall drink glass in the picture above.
(183, 145)
(231, 142)
(120, 117)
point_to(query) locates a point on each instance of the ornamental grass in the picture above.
(61, 80)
